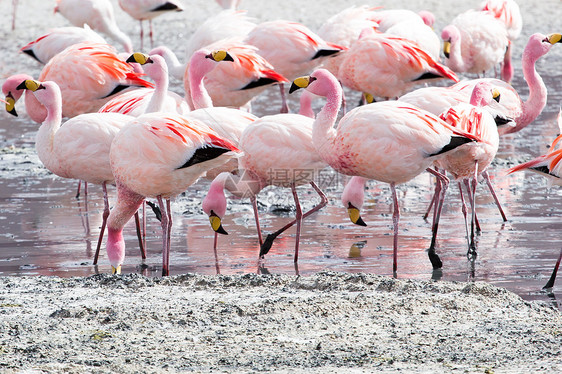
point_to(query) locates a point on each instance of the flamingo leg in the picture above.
(215, 243)
(141, 36)
(395, 221)
(151, 33)
(299, 221)
(550, 282)
(139, 235)
(469, 188)
(465, 214)
(284, 105)
(103, 223)
(78, 190)
(14, 7)
(257, 218)
(442, 184)
(144, 225)
(432, 199)
(165, 223)
(266, 246)
(472, 248)
(491, 188)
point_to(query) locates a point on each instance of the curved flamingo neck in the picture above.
(199, 66)
(159, 73)
(128, 202)
(52, 100)
(455, 60)
(536, 101)
(323, 132)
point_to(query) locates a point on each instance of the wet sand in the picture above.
(324, 323)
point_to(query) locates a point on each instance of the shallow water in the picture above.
(47, 231)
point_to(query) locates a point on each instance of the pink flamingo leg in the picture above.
(432, 200)
(472, 249)
(165, 223)
(268, 242)
(14, 7)
(469, 189)
(144, 225)
(395, 221)
(550, 282)
(151, 34)
(284, 105)
(103, 223)
(299, 221)
(491, 188)
(443, 185)
(141, 36)
(464, 213)
(78, 190)
(257, 218)
(216, 253)
(139, 235)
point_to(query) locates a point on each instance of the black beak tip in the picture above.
(21, 86)
(293, 88)
(360, 222)
(228, 58)
(446, 54)
(130, 59)
(221, 230)
(13, 112)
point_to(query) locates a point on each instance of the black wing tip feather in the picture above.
(325, 53)
(543, 170)
(428, 75)
(204, 154)
(456, 141)
(166, 7)
(31, 53)
(259, 83)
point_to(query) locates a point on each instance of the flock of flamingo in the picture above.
(150, 142)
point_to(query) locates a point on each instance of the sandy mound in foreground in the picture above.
(248, 323)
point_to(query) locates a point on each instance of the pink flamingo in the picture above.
(512, 113)
(80, 148)
(292, 48)
(387, 66)
(148, 100)
(98, 14)
(548, 165)
(147, 10)
(58, 39)
(474, 42)
(276, 150)
(469, 161)
(88, 74)
(158, 155)
(389, 141)
(509, 13)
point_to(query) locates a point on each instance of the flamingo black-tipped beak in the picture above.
(30, 84)
(355, 215)
(139, 58)
(116, 270)
(11, 105)
(300, 82)
(447, 49)
(555, 38)
(496, 95)
(216, 224)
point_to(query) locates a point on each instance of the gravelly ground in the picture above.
(253, 323)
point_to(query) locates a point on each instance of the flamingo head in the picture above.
(47, 93)
(154, 65)
(450, 35)
(352, 199)
(321, 82)
(483, 93)
(539, 44)
(427, 17)
(11, 92)
(214, 204)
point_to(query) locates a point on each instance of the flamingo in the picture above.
(388, 141)
(469, 161)
(88, 74)
(79, 149)
(158, 155)
(548, 165)
(388, 66)
(147, 10)
(58, 39)
(147, 100)
(14, 9)
(509, 13)
(98, 14)
(474, 42)
(512, 114)
(292, 48)
(276, 150)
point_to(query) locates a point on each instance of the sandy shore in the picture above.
(324, 323)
